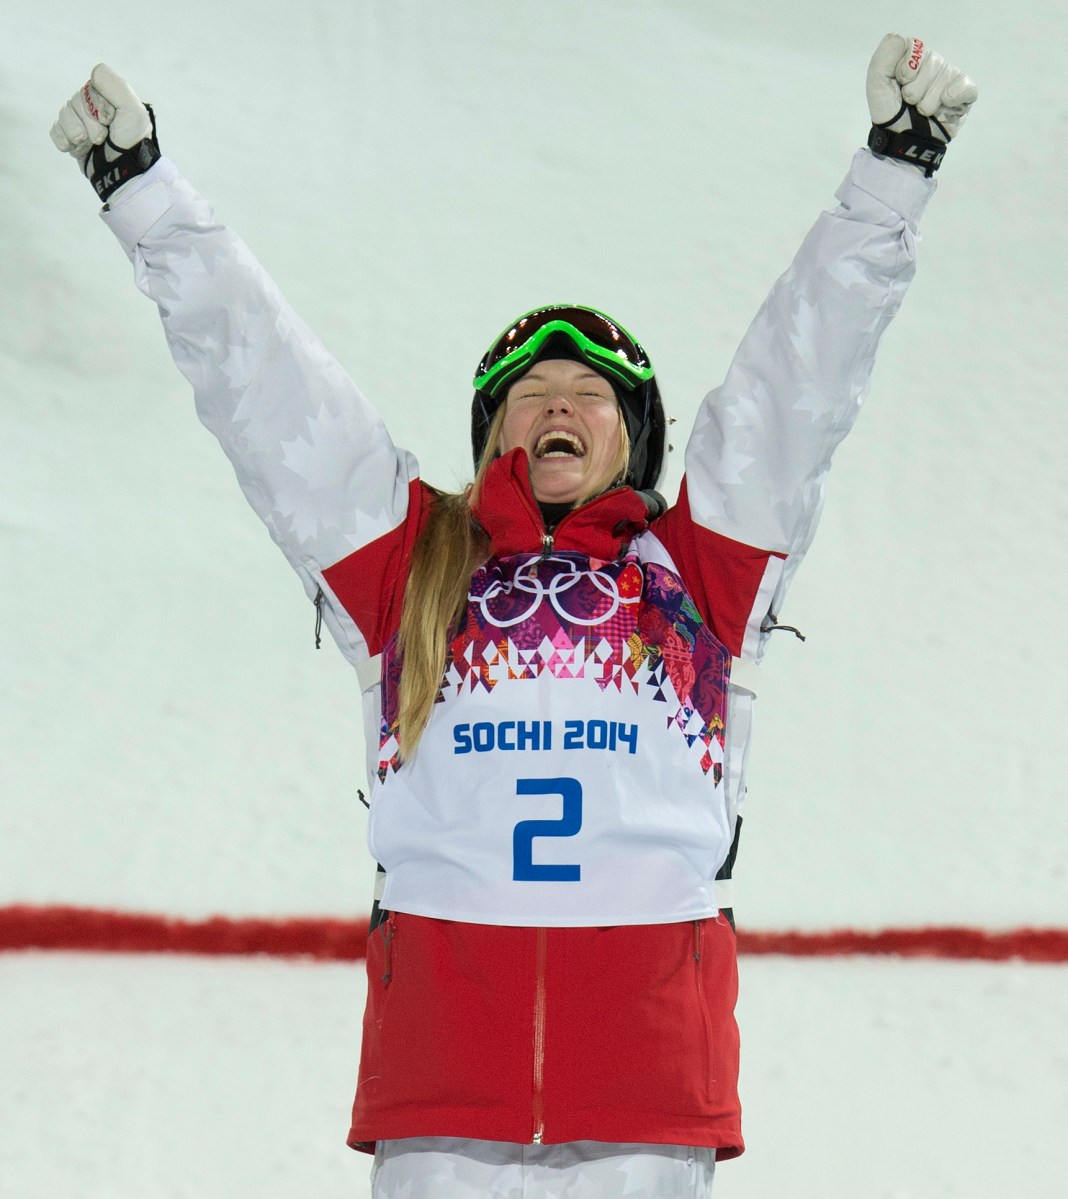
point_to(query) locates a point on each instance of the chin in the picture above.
(560, 493)
(557, 492)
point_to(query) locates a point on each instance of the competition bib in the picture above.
(570, 773)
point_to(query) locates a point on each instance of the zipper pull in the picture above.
(319, 597)
(388, 934)
(546, 546)
(771, 625)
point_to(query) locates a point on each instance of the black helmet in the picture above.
(572, 331)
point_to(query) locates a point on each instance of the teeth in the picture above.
(559, 444)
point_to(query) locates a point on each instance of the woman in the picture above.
(554, 694)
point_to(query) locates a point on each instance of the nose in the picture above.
(557, 403)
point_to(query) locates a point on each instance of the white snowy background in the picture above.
(415, 174)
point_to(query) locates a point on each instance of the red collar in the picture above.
(507, 510)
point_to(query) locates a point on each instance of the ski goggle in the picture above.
(598, 339)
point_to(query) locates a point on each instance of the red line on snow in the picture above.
(91, 931)
(331, 939)
(1025, 944)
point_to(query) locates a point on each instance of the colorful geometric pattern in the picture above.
(624, 624)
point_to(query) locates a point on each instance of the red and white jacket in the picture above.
(554, 966)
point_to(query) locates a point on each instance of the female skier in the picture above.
(560, 739)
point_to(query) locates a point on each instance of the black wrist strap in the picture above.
(915, 145)
(109, 174)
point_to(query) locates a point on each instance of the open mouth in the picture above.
(559, 444)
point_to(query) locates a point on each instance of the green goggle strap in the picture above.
(610, 361)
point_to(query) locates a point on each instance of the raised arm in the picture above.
(757, 462)
(312, 456)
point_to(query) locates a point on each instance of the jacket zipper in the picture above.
(698, 937)
(538, 1104)
(388, 933)
(547, 538)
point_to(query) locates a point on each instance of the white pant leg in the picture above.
(449, 1168)
(596, 1170)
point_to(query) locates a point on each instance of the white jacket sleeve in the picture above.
(757, 461)
(312, 456)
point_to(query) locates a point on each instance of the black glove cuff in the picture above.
(109, 174)
(915, 145)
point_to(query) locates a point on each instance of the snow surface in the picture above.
(414, 175)
(162, 1078)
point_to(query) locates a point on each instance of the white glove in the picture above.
(917, 100)
(108, 130)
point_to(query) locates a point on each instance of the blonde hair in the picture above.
(449, 549)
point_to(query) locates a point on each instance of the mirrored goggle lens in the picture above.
(600, 340)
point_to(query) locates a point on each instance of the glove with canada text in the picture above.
(917, 100)
(108, 130)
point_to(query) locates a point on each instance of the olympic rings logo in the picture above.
(526, 582)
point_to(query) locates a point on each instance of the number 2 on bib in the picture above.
(524, 868)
